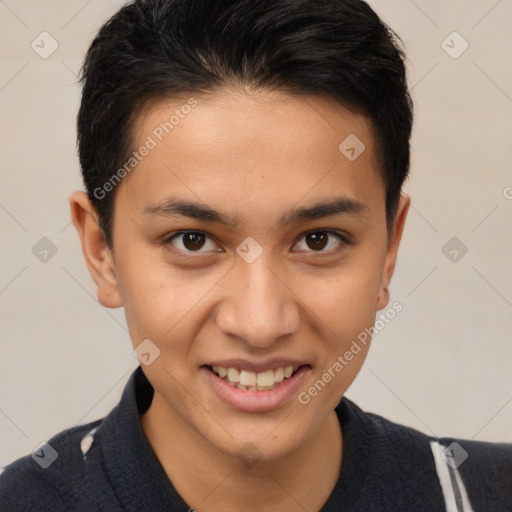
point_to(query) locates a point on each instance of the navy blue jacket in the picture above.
(109, 466)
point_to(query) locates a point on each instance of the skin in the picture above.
(255, 156)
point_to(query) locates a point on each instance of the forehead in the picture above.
(239, 119)
(260, 149)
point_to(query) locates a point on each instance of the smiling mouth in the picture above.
(254, 381)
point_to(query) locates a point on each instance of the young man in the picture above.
(243, 163)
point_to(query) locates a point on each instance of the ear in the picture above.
(392, 251)
(98, 256)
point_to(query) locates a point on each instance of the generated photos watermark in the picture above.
(152, 141)
(363, 338)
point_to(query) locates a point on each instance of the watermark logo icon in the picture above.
(44, 45)
(454, 455)
(249, 454)
(45, 455)
(249, 250)
(44, 250)
(455, 45)
(146, 352)
(454, 249)
(352, 147)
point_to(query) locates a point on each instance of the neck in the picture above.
(211, 481)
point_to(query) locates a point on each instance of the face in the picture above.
(248, 247)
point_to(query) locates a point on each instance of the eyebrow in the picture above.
(172, 207)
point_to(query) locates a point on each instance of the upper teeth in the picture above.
(255, 380)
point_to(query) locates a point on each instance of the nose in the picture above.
(259, 307)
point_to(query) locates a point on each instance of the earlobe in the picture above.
(97, 253)
(392, 251)
(383, 298)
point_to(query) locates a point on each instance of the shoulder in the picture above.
(47, 478)
(483, 469)
(493, 456)
(476, 456)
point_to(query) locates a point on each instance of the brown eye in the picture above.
(317, 241)
(191, 241)
(322, 241)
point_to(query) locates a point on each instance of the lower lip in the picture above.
(256, 401)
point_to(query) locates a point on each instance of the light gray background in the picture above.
(443, 365)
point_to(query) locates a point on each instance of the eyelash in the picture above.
(343, 240)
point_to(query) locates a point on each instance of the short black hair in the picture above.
(156, 49)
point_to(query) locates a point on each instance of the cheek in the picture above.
(346, 304)
(151, 297)
(347, 314)
(155, 310)
(346, 299)
(164, 303)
